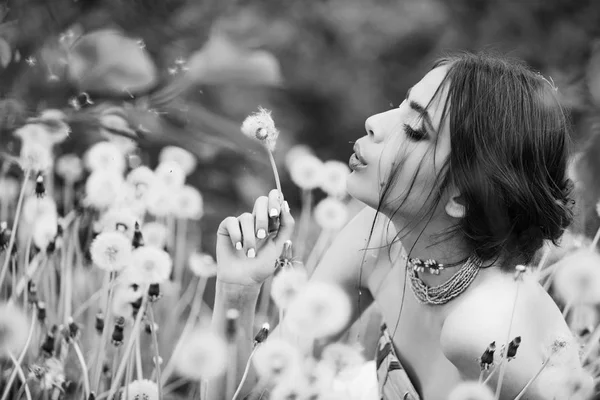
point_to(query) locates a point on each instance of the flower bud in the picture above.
(487, 358)
(512, 348)
(231, 324)
(73, 328)
(48, 344)
(154, 292)
(99, 323)
(32, 293)
(117, 335)
(41, 311)
(262, 334)
(138, 239)
(40, 188)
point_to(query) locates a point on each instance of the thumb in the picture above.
(286, 225)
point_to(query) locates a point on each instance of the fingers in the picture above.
(274, 203)
(246, 221)
(286, 226)
(230, 227)
(261, 217)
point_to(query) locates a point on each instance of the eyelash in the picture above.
(415, 134)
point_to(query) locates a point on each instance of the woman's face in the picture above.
(403, 140)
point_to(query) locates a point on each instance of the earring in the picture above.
(454, 209)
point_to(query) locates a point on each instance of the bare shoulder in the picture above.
(489, 311)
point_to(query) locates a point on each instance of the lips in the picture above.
(356, 161)
(359, 154)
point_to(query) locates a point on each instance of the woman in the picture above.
(470, 171)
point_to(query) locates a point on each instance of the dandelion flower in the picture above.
(359, 382)
(120, 220)
(153, 264)
(170, 174)
(286, 285)
(471, 391)
(276, 358)
(35, 208)
(306, 171)
(203, 355)
(144, 389)
(321, 309)
(69, 167)
(155, 234)
(104, 156)
(159, 200)
(297, 151)
(577, 278)
(320, 376)
(102, 188)
(335, 174)
(127, 198)
(123, 297)
(561, 383)
(291, 387)
(36, 133)
(35, 156)
(331, 214)
(117, 123)
(13, 329)
(188, 203)
(185, 159)
(141, 178)
(342, 357)
(45, 231)
(202, 264)
(260, 126)
(111, 251)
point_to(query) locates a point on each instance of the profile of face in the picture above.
(407, 147)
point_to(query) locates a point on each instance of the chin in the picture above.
(361, 192)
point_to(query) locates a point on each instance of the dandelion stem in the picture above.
(317, 251)
(129, 348)
(543, 259)
(595, 241)
(567, 308)
(232, 367)
(504, 362)
(176, 384)
(138, 357)
(591, 344)
(179, 244)
(522, 392)
(106, 290)
(21, 374)
(245, 375)
(84, 371)
(156, 352)
(490, 375)
(129, 370)
(265, 298)
(304, 222)
(189, 324)
(15, 371)
(275, 174)
(11, 241)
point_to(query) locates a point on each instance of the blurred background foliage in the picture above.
(322, 66)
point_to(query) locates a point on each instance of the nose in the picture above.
(374, 127)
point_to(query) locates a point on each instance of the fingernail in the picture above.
(273, 212)
(238, 245)
(287, 206)
(261, 234)
(251, 253)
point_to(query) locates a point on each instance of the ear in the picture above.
(455, 207)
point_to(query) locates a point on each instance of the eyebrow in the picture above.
(421, 110)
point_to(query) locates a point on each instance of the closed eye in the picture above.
(415, 134)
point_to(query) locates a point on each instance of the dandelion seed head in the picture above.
(35, 156)
(188, 203)
(170, 174)
(123, 297)
(144, 389)
(286, 285)
(306, 171)
(14, 327)
(186, 160)
(119, 219)
(276, 358)
(296, 151)
(35, 208)
(105, 156)
(319, 310)
(54, 374)
(260, 126)
(152, 264)
(203, 355)
(10, 189)
(335, 174)
(45, 231)
(293, 387)
(202, 264)
(577, 278)
(36, 133)
(103, 188)
(331, 214)
(471, 390)
(69, 167)
(562, 383)
(155, 234)
(159, 200)
(342, 357)
(111, 251)
(141, 178)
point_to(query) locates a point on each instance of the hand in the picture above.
(246, 248)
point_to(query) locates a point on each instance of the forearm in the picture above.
(243, 299)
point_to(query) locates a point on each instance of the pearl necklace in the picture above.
(441, 294)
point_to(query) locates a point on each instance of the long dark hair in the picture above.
(510, 144)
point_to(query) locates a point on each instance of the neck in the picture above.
(422, 242)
